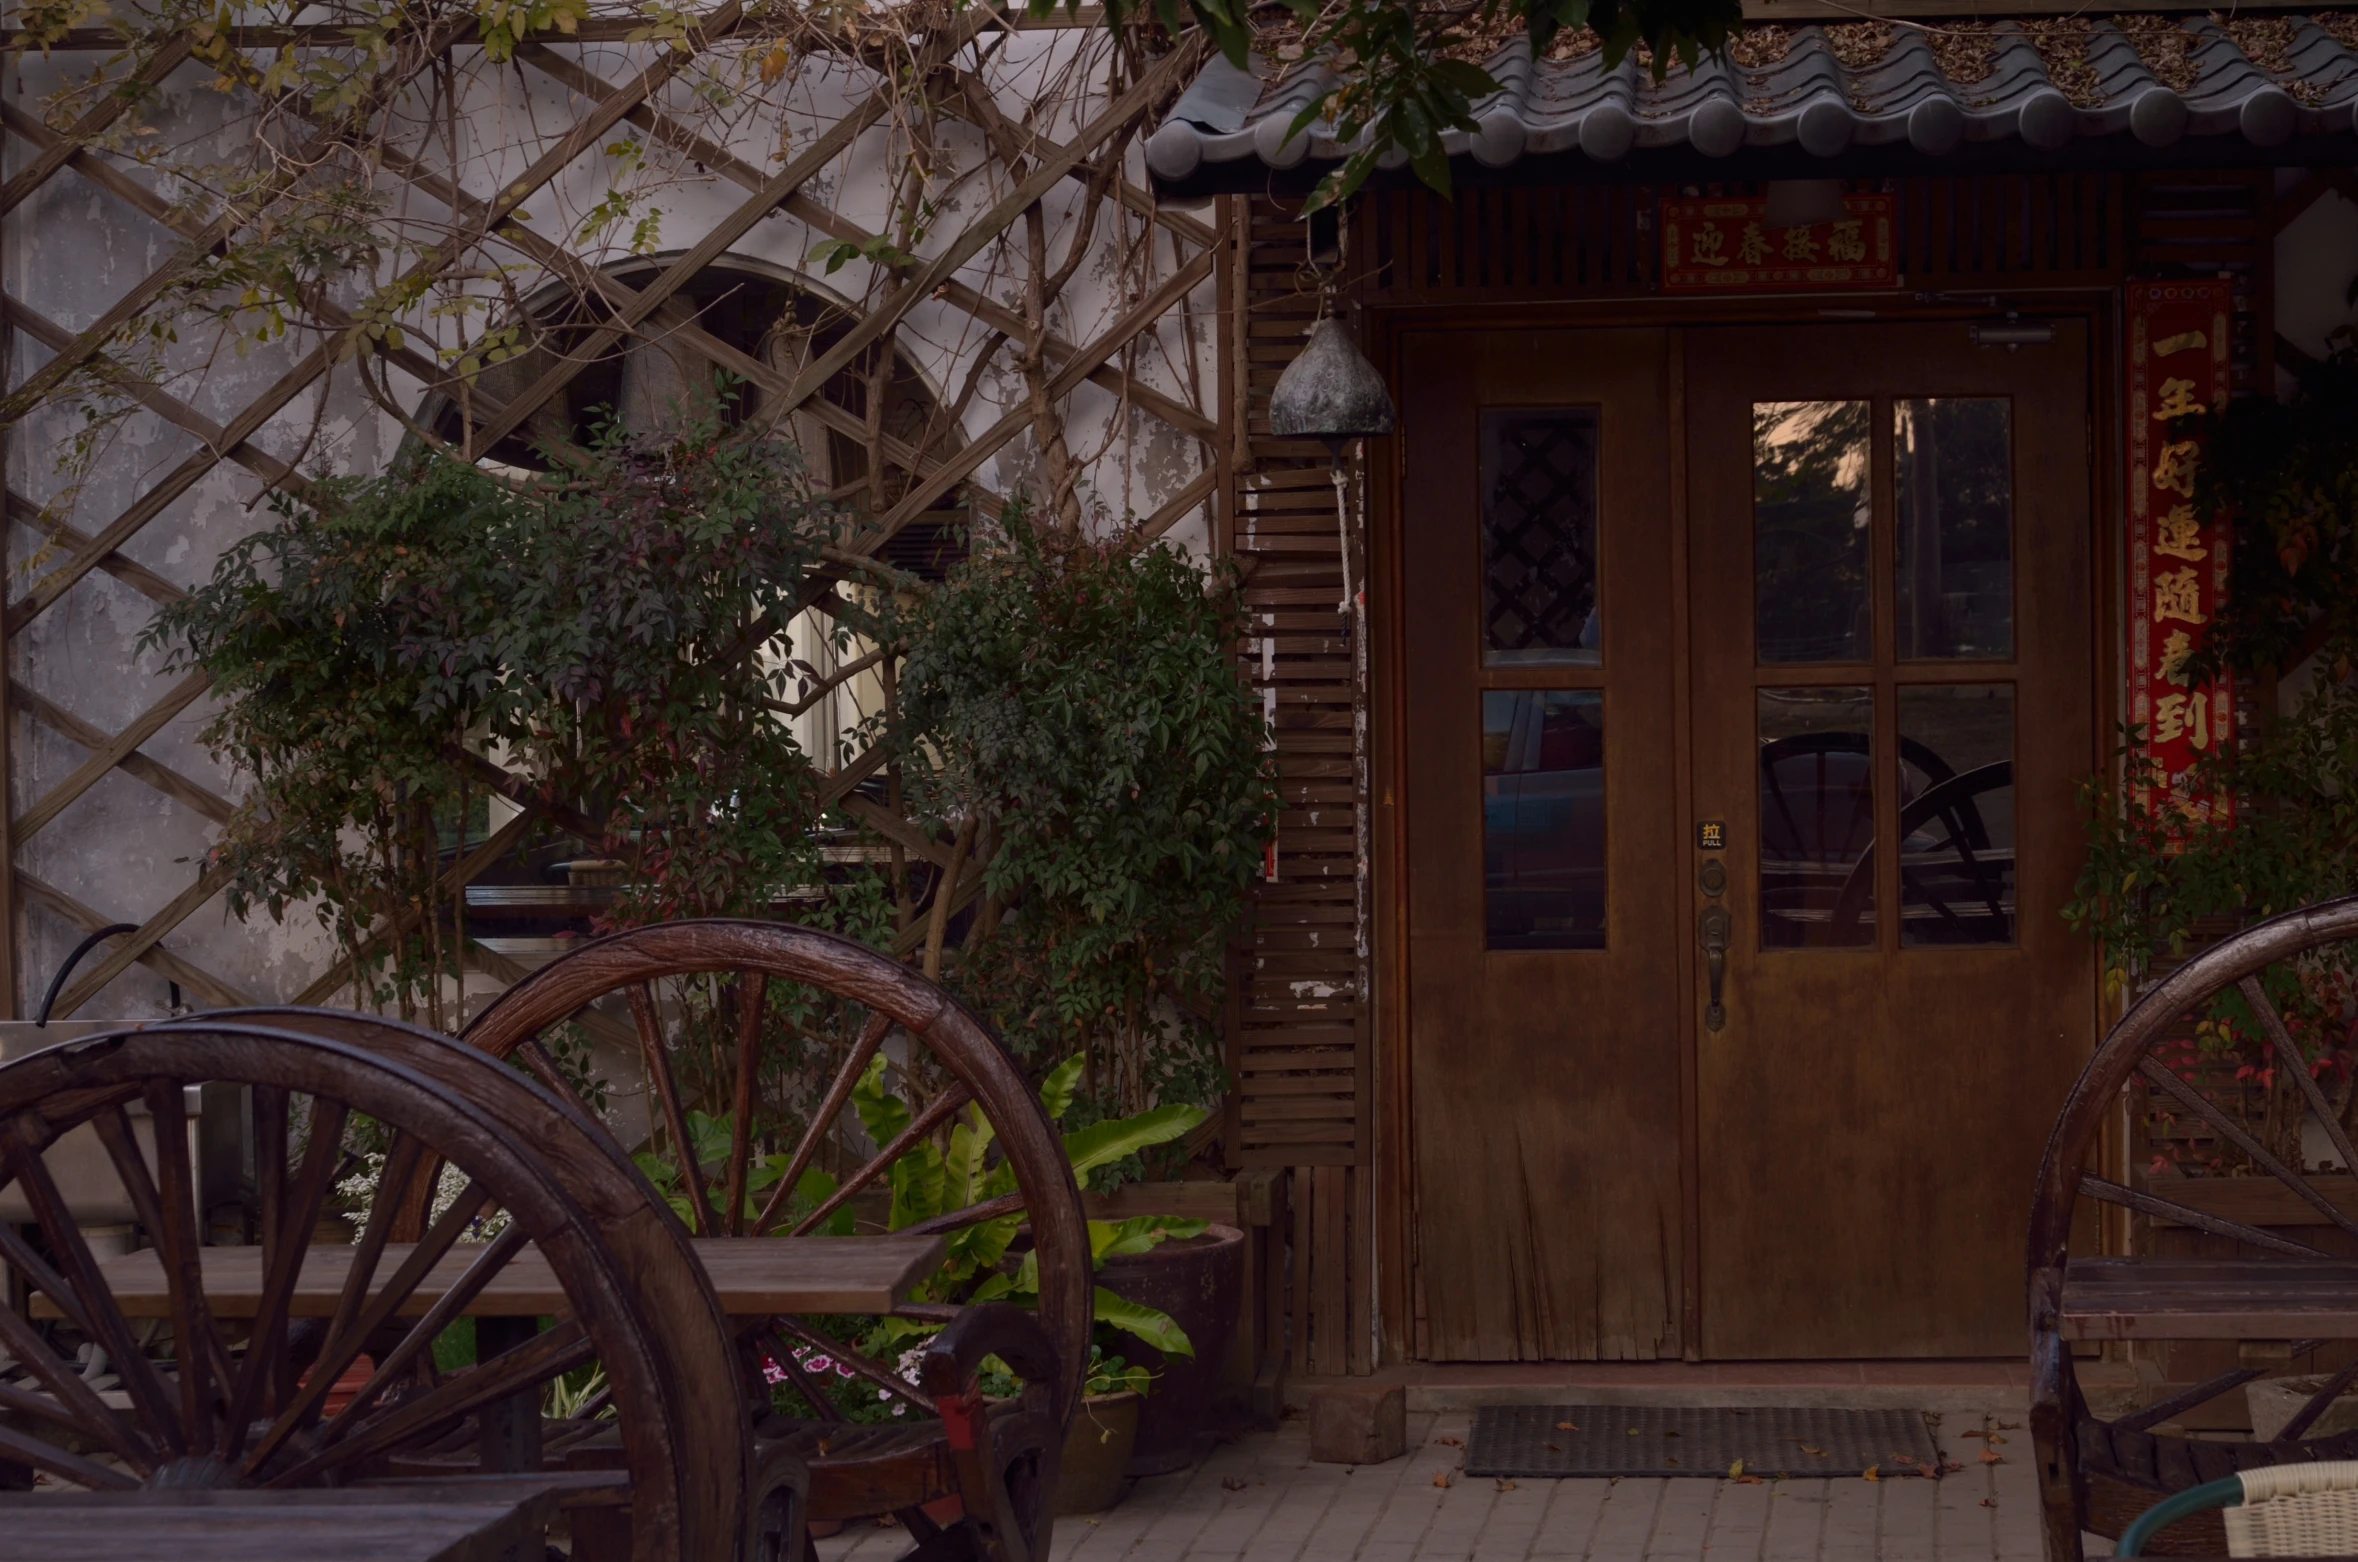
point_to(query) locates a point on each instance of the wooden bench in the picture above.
(410, 1522)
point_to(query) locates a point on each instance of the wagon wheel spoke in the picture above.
(839, 1094)
(2288, 1053)
(943, 1107)
(403, 1160)
(345, 1340)
(167, 1206)
(2236, 1134)
(526, 1367)
(2109, 1192)
(110, 1330)
(289, 1217)
(972, 1215)
(447, 1310)
(649, 1021)
(44, 1455)
(752, 991)
(875, 1372)
(75, 1399)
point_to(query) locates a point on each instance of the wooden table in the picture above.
(756, 1277)
(443, 1522)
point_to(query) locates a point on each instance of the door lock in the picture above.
(1714, 929)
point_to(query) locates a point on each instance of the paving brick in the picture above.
(1682, 1518)
(1626, 1522)
(1739, 1522)
(1797, 1516)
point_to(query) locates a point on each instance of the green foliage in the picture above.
(1081, 701)
(595, 625)
(2161, 876)
(2285, 476)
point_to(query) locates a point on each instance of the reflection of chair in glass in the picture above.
(1543, 824)
(1953, 868)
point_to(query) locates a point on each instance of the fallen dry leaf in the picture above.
(1450, 1442)
(1231, 1483)
(1670, 1459)
(2007, 1426)
(1749, 1480)
(1987, 1457)
(1441, 1478)
(1815, 1453)
(1873, 1472)
(1736, 1469)
(1988, 1502)
(1994, 1439)
(1506, 1485)
(1906, 1459)
(1948, 1467)
(1554, 1448)
(1566, 1426)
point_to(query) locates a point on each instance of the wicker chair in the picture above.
(2278, 1510)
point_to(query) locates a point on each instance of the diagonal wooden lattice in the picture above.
(629, 309)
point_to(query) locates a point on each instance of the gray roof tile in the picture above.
(1808, 112)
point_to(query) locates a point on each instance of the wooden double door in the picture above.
(1747, 675)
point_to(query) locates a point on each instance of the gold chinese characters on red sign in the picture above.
(2177, 556)
(1716, 246)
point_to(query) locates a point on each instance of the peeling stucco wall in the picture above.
(124, 849)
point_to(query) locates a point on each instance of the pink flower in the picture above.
(817, 1363)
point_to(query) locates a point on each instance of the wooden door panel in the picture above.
(1869, 1119)
(1545, 1081)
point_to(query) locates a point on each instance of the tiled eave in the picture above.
(1810, 115)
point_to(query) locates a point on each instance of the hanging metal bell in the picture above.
(1330, 391)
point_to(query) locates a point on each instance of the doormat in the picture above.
(1537, 1442)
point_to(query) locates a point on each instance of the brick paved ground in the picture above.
(1261, 1500)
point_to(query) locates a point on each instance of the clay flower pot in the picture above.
(1200, 1283)
(1096, 1452)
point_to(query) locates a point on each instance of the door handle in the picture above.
(1714, 928)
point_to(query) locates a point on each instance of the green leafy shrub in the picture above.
(1081, 701)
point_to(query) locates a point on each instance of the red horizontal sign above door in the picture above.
(1719, 245)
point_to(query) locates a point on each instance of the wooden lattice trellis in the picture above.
(494, 227)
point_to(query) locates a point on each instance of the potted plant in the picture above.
(1096, 1462)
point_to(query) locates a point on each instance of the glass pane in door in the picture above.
(1817, 818)
(1953, 479)
(1956, 823)
(1539, 537)
(1810, 513)
(1543, 818)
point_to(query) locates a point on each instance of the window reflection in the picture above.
(1956, 822)
(1817, 818)
(1539, 537)
(1953, 479)
(1810, 511)
(1543, 818)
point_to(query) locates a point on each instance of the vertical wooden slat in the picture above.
(1359, 1290)
(1330, 1273)
(1298, 1279)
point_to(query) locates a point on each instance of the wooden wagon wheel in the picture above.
(943, 1062)
(240, 1401)
(2253, 1249)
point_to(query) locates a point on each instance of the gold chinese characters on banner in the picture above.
(1716, 245)
(2177, 556)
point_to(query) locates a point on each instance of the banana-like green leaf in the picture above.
(917, 1179)
(1056, 1091)
(882, 1113)
(1138, 1234)
(1101, 1144)
(1155, 1327)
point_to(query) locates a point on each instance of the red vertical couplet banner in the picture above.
(2177, 556)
